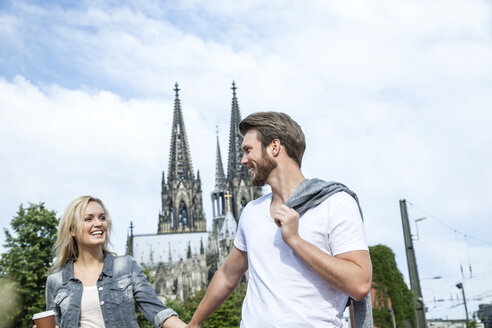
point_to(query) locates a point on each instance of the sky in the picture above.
(394, 99)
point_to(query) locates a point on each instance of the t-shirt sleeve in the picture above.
(239, 240)
(345, 226)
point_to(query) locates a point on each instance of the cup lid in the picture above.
(43, 314)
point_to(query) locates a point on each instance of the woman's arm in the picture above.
(148, 302)
(50, 298)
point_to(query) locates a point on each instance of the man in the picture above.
(301, 269)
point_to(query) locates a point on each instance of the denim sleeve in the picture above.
(50, 297)
(148, 302)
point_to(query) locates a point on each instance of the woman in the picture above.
(88, 286)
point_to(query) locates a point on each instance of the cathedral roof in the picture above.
(162, 244)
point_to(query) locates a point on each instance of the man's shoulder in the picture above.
(341, 197)
(336, 202)
(258, 201)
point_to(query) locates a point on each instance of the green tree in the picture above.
(227, 315)
(27, 259)
(389, 284)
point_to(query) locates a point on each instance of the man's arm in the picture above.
(223, 283)
(173, 322)
(349, 272)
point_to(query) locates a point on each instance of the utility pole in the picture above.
(460, 286)
(412, 267)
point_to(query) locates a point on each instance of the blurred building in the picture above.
(484, 313)
(442, 323)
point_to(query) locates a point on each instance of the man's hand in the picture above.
(288, 220)
(349, 272)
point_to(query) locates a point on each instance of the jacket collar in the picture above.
(108, 264)
(67, 271)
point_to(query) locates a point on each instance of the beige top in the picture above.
(90, 309)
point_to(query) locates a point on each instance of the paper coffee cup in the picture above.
(44, 319)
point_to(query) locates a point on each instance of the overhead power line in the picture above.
(449, 226)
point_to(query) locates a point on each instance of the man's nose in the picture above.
(244, 160)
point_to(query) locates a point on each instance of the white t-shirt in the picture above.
(282, 290)
(90, 310)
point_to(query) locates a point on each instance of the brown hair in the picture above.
(275, 125)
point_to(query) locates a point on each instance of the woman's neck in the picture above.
(89, 265)
(90, 257)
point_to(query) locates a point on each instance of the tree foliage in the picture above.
(389, 283)
(227, 315)
(27, 260)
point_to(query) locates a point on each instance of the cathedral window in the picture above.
(180, 174)
(160, 287)
(171, 212)
(182, 214)
(243, 203)
(175, 286)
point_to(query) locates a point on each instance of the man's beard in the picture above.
(263, 169)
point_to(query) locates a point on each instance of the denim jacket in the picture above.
(121, 281)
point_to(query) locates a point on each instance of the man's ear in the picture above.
(275, 144)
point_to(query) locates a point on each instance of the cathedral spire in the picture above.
(129, 241)
(181, 195)
(234, 167)
(220, 179)
(188, 252)
(180, 166)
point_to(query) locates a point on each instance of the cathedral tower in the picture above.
(182, 206)
(238, 177)
(219, 193)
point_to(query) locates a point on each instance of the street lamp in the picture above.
(417, 227)
(460, 286)
(392, 316)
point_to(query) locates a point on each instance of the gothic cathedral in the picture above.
(178, 271)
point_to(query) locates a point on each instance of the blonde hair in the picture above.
(66, 247)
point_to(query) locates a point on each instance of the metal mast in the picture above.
(412, 267)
